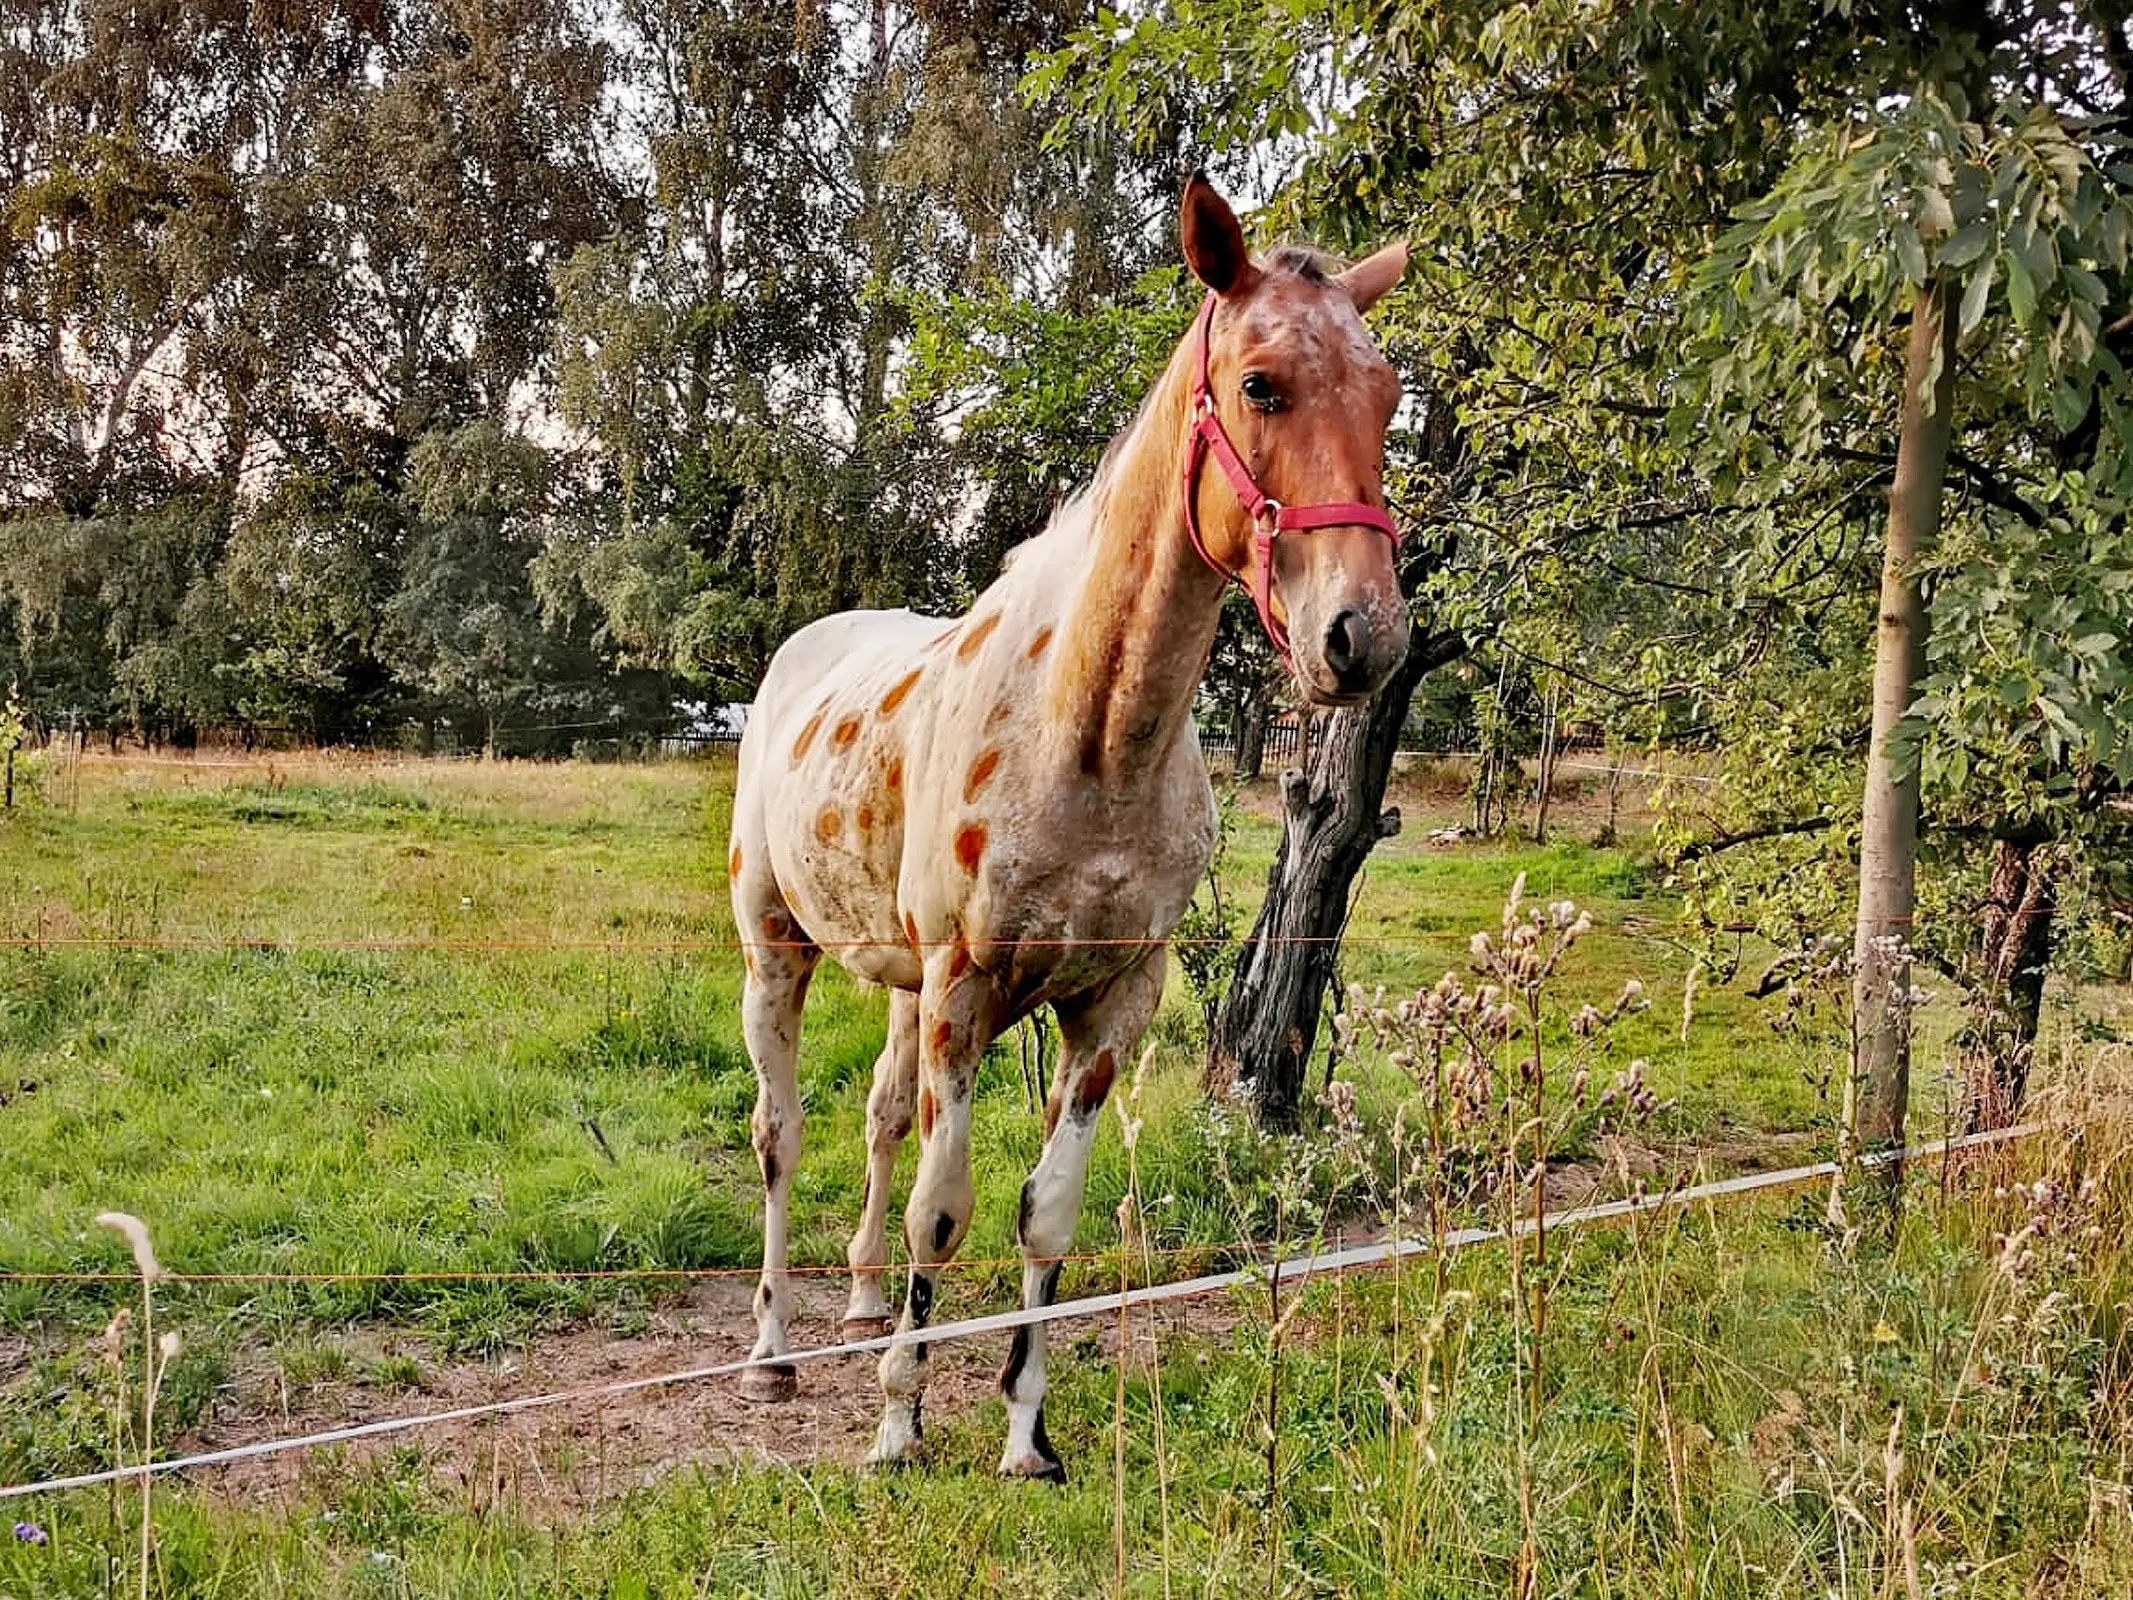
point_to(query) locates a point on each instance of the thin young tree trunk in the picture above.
(1549, 740)
(1888, 839)
(1251, 738)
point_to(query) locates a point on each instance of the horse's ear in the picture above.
(1213, 239)
(1369, 279)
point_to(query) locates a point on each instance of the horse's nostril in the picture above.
(1347, 643)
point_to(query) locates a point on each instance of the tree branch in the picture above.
(1698, 849)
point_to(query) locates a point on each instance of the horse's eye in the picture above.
(1259, 392)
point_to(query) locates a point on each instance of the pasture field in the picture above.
(341, 1024)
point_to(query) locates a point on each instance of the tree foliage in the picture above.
(1667, 257)
(471, 365)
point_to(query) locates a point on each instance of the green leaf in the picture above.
(1910, 253)
(2021, 290)
(1975, 294)
(2070, 403)
(1968, 243)
(1935, 215)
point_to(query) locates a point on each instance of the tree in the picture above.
(1331, 819)
(766, 358)
(1661, 439)
(2005, 230)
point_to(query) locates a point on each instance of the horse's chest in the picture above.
(1072, 906)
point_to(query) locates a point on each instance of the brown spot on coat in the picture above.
(807, 734)
(733, 862)
(928, 1109)
(911, 931)
(981, 771)
(943, 1035)
(845, 732)
(865, 819)
(999, 713)
(970, 846)
(1051, 1112)
(1095, 1085)
(895, 697)
(1040, 644)
(975, 635)
(958, 961)
(895, 778)
(828, 825)
(775, 924)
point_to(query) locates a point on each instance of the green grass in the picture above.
(1718, 1413)
(282, 1107)
(246, 1102)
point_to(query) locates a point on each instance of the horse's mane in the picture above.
(1305, 261)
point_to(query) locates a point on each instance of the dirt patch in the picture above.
(15, 1356)
(570, 1458)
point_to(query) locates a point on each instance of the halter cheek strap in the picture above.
(1270, 518)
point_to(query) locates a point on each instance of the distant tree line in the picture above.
(503, 370)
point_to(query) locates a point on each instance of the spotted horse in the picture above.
(1008, 811)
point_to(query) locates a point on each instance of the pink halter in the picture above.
(1269, 516)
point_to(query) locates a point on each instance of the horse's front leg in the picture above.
(958, 1013)
(771, 1001)
(1100, 1032)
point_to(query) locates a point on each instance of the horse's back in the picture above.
(827, 653)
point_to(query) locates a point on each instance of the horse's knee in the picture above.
(776, 1140)
(1047, 1216)
(888, 1118)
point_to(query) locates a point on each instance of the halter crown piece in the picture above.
(1269, 516)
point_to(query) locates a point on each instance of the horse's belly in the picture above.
(840, 881)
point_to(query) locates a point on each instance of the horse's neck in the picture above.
(1138, 626)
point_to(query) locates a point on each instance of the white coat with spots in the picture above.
(1010, 810)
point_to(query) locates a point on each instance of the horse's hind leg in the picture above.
(778, 972)
(889, 1109)
(957, 1016)
(1098, 1031)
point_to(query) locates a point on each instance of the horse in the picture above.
(1009, 810)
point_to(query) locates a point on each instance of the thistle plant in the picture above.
(1481, 1053)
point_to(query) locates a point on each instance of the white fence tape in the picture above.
(1293, 1271)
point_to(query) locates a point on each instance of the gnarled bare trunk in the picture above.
(1332, 817)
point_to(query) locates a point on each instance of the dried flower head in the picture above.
(135, 1233)
(113, 1340)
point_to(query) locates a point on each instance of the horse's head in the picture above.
(1286, 477)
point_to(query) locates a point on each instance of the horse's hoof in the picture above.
(896, 1442)
(1034, 1467)
(770, 1385)
(858, 1328)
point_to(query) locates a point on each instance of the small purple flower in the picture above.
(30, 1533)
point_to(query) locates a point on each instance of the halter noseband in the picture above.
(1269, 516)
